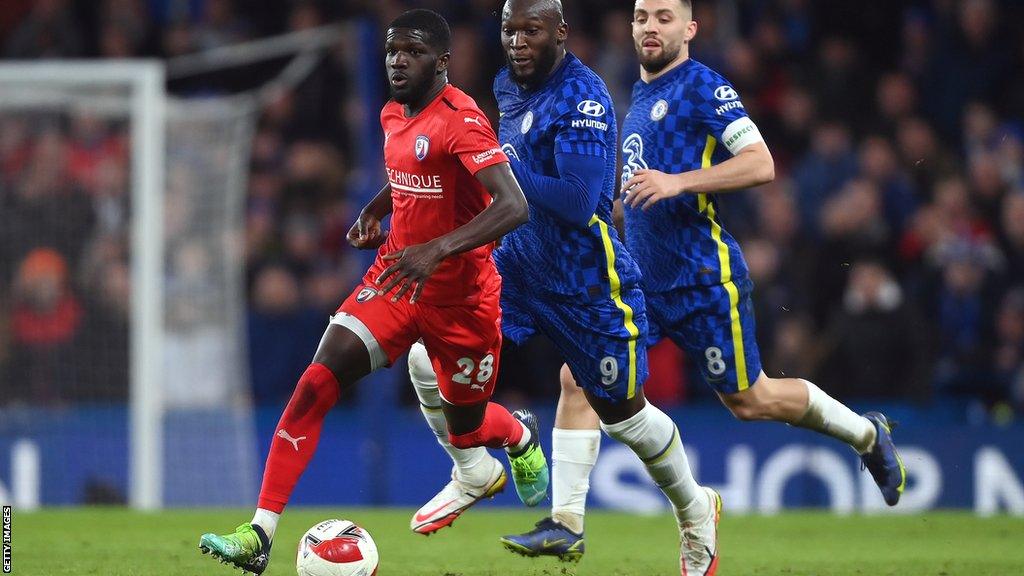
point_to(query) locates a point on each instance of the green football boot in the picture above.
(247, 548)
(529, 467)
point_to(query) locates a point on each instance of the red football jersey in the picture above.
(431, 160)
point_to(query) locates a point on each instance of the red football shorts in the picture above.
(463, 342)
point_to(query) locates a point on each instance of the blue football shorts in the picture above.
(602, 339)
(715, 326)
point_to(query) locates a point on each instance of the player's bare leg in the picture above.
(341, 359)
(801, 403)
(782, 400)
(575, 443)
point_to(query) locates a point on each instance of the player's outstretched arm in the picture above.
(414, 264)
(366, 233)
(751, 166)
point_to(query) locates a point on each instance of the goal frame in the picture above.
(147, 116)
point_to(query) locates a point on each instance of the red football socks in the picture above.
(297, 434)
(498, 430)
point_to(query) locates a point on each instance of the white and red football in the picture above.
(336, 548)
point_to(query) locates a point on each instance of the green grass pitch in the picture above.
(114, 542)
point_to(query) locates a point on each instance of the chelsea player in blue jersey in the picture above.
(566, 275)
(686, 137)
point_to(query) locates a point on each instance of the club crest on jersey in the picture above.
(527, 122)
(365, 295)
(726, 93)
(659, 110)
(421, 147)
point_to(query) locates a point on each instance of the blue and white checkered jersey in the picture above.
(688, 119)
(570, 113)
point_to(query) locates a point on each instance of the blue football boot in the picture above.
(884, 462)
(549, 538)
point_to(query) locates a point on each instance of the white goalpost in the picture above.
(50, 86)
(110, 174)
(189, 424)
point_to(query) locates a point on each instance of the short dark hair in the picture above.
(439, 35)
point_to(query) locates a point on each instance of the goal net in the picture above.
(122, 361)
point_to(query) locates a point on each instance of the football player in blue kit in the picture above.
(566, 275)
(685, 138)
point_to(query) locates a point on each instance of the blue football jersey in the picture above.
(688, 119)
(570, 113)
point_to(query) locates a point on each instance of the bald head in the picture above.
(546, 9)
(533, 35)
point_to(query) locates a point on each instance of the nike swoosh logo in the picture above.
(424, 517)
(548, 544)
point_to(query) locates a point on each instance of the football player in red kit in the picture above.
(451, 194)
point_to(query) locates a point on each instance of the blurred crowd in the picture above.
(888, 255)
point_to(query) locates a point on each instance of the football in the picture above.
(336, 548)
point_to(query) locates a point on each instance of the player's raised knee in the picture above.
(344, 353)
(421, 371)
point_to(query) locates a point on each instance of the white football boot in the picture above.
(456, 497)
(698, 544)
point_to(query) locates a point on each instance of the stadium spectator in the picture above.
(917, 41)
(794, 349)
(987, 184)
(615, 61)
(122, 29)
(876, 343)
(895, 99)
(464, 71)
(963, 310)
(839, 81)
(922, 154)
(198, 348)
(45, 207)
(968, 65)
(220, 26)
(46, 319)
(853, 227)
(276, 315)
(880, 165)
(1011, 235)
(48, 31)
(1008, 357)
(178, 39)
(825, 169)
(101, 354)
